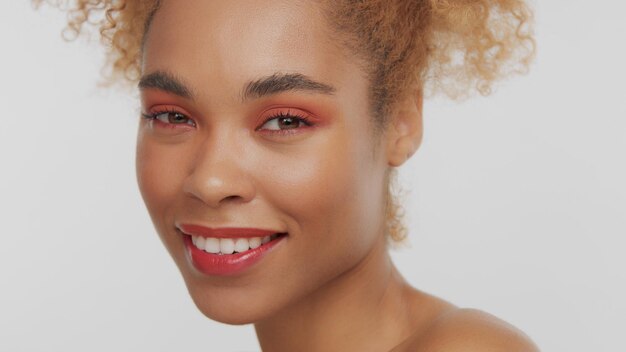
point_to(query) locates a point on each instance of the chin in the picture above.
(230, 305)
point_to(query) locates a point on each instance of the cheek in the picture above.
(159, 176)
(309, 181)
(332, 191)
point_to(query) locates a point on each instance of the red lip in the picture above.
(226, 264)
(226, 232)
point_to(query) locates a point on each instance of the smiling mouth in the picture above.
(226, 246)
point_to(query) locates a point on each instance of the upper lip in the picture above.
(224, 232)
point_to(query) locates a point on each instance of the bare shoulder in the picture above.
(468, 330)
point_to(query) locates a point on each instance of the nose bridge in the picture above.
(218, 172)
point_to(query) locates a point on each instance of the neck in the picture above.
(365, 308)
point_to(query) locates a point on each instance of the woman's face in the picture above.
(221, 80)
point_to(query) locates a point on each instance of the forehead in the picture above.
(231, 42)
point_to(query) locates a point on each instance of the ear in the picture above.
(404, 134)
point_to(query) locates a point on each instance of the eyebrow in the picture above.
(283, 82)
(166, 82)
(262, 87)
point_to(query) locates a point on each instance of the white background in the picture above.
(517, 203)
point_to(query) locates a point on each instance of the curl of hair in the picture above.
(121, 25)
(437, 46)
(407, 47)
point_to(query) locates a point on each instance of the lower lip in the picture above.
(227, 264)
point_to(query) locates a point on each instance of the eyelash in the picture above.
(298, 118)
(153, 116)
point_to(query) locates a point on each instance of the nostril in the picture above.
(231, 197)
(216, 185)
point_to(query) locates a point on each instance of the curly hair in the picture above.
(434, 46)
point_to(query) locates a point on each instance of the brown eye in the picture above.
(172, 117)
(284, 122)
(288, 122)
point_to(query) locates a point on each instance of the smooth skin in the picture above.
(212, 159)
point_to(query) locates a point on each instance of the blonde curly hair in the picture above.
(435, 46)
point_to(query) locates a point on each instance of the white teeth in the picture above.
(254, 242)
(227, 245)
(212, 245)
(241, 245)
(200, 242)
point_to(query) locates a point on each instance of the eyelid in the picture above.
(156, 110)
(162, 107)
(276, 113)
(269, 113)
(168, 108)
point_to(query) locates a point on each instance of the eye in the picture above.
(170, 118)
(284, 122)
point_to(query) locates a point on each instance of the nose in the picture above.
(220, 174)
